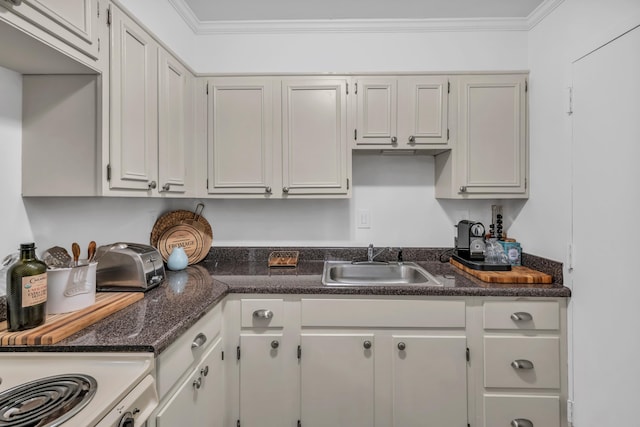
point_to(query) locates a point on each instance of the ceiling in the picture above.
(279, 10)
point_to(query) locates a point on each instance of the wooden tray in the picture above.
(283, 259)
(60, 326)
(518, 275)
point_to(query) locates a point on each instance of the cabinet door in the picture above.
(199, 400)
(429, 376)
(424, 104)
(173, 101)
(263, 397)
(240, 136)
(493, 134)
(314, 136)
(74, 22)
(337, 373)
(134, 105)
(376, 111)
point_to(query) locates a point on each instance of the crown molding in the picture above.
(361, 25)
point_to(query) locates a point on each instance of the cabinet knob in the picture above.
(267, 190)
(394, 140)
(401, 346)
(285, 189)
(199, 340)
(275, 344)
(263, 314)
(197, 383)
(204, 371)
(521, 316)
(412, 139)
(522, 364)
(367, 344)
(152, 185)
(166, 187)
(521, 422)
(463, 189)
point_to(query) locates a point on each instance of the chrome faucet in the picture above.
(371, 254)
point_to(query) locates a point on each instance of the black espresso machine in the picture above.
(470, 247)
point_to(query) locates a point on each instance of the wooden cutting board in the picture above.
(60, 326)
(518, 274)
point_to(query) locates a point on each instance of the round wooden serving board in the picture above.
(182, 228)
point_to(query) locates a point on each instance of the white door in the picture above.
(377, 115)
(240, 136)
(173, 115)
(314, 136)
(606, 200)
(337, 380)
(263, 388)
(429, 377)
(134, 105)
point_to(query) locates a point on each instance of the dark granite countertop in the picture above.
(167, 311)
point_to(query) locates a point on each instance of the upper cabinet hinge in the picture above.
(98, 9)
(207, 183)
(98, 44)
(468, 354)
(447, 134)
(299, 423)
(222, 356)
(526, 86)
(448, 87)
(108, 16)
(238, 423)
(356, 91)
(207, 88)
(347, 183)
(525, 183)
(109, 172)
(299, 352)
(238, 352)
(355, 134)
(347, 88)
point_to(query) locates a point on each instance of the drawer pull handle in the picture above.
(521, 316)
(522, 364)
(199, 341)
(263, 314)
(521, 422)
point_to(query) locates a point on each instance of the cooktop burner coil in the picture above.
(46, 402)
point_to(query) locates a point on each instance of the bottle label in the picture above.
(34, 290)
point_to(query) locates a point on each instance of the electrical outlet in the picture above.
(363, 219)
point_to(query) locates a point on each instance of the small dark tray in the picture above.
(480, 265)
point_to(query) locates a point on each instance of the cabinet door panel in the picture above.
(377, 111)
(172, 138)
(314, 137)
(337, 380)
(494, 139)
(429, 381)
(240, 140)
(263, 398)
(427, 104)
(134, 133)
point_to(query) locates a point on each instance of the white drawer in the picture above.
(262, 313)
(180, 355)
(541, 411)
(522, 315)
(382, 313)
(500, 353)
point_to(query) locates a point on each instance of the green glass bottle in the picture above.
(26, 291)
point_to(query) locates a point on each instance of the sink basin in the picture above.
(345, 273)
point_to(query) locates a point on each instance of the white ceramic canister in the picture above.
(71, 289)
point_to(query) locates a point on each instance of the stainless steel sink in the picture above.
(345, 273)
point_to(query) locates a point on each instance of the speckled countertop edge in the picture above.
(167, 311)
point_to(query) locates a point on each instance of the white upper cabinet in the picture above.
(240, 147)
(402, 112)
(74, 22)
(489, 159)
(314, 136)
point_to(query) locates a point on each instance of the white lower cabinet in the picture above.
(337, 380)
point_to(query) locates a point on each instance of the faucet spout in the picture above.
(372, 254)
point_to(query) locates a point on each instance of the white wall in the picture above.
(14, 224)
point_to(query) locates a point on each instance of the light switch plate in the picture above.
(363, 218)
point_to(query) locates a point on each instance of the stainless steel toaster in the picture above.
(128, 267)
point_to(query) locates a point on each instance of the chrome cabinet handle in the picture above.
(199, 340)
(197, 383)
(166, 187)
(152, 185)
(267, 190)
(521, 316)
(285, 189)
(275, 344)
(463, 189)
(401, 346)
(412, 139)
(522, 364)
(263, 314)
(521, 422)
(367, 344)
(394, 140)
(204, 371)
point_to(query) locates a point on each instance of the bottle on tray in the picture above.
(26, 291)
